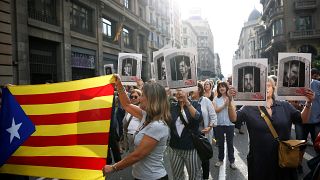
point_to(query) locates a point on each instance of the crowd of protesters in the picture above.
(148, 120)
(209, 110)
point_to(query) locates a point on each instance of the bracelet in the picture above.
(114, 167)
(121, 90)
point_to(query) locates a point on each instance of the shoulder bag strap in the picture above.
(126, 125)
(267, 120)
(183, 120)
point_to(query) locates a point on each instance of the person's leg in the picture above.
(229, 138)
(177, 164)
(220, 136)
(193, 164)
(205, 169)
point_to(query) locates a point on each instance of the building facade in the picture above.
(7, 62)
(205, 47)
(247, 44)
(57, 40)
(189, 36)
(217, 65)
(289, 26)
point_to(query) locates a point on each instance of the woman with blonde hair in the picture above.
(150, 139)
(208, 85)
(263, 149)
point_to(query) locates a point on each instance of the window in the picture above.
(277, 27)
(185, 41)
(141, 13)
(81, 18)
(127, 38)
(108, 29)
(43, 10)
(141, 43)
(127, 4)
(304, 23)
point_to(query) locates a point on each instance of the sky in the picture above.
(226, 19)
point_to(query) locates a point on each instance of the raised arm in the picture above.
(124, 100)
(305, 113)
(231, 107)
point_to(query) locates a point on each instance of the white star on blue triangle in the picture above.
(13, 130)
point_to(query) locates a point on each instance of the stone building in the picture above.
(57, 40)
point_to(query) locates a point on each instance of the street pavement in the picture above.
(225, 172)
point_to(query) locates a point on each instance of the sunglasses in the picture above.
(134, 97)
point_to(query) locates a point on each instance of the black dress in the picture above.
(263, 148)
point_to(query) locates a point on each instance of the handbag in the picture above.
(288, 151)
(200, 142)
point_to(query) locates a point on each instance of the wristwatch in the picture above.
(307, 104)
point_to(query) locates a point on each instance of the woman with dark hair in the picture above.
(186, 116)
(263, 149)
(224, 125)
(150, 139)
(209, 120)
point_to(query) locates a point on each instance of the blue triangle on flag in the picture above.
(15, 126)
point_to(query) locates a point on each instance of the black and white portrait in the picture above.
(249, 79)
(161, 68)
(180, 68)
(129, 67)
(108, 69)
(294, 74)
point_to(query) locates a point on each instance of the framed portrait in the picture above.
(160, 68)
(129, 67)
(181, 68)
(293, 75)
(249, 79)
(108, 69)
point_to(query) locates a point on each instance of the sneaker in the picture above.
(233, 166)
(219, 163)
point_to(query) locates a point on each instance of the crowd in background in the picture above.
(209, 110)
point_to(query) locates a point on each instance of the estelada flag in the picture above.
(58, 130)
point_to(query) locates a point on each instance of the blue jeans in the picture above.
(229, 131)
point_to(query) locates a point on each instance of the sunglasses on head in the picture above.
(134, 97)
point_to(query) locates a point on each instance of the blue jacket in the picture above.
(185, 141)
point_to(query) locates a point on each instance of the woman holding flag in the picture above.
(151, 137)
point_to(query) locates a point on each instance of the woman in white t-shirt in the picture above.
(151, 138)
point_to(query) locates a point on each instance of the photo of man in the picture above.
(161, 69)
(108, 70)
(293, 74)
(129, 66)
(249, 79)
(180, 68)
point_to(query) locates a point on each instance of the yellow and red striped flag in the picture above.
(72, 121)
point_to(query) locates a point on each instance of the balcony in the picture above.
(153, 44)
(305, 34)
(275, 41)
(305, 4)
(46, 17)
